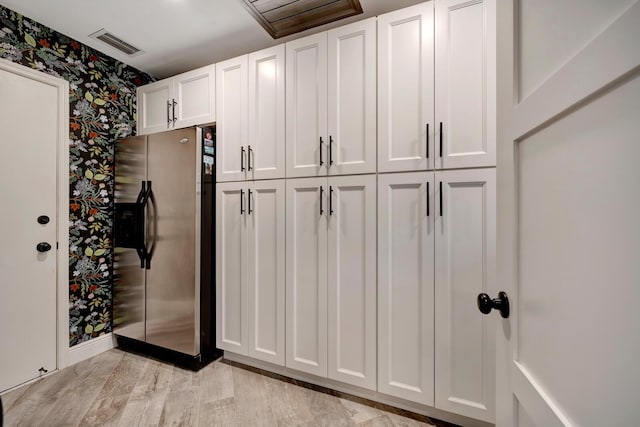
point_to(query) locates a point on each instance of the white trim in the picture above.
(357, 391)
(554, 97)
(62, 282)
(91, 348)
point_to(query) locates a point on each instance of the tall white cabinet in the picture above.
(250, 259)
(331, 99)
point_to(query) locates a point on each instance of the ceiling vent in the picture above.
(116, 42)
(284, 17)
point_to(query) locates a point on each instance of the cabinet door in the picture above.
(405, 89)
(465, 84)
(352, 98)
(265, 270)
(154, 108)
(465, 267)
(194, 93)
(306, 106)
(231, 278)
(266, 147)
(231, 127)
(405, 286)
(352, 280)
(307, 275)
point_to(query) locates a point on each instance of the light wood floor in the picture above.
(117, 388)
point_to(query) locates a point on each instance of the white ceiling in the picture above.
(176, 35)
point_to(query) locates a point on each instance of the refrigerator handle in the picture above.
(154, 226)
(141, 201)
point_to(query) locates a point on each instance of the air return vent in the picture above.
(116, 42)
(283, 17)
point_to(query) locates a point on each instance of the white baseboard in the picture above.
(91, 348)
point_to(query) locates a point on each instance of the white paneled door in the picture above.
(231, 125)
(265, 270)
(29, 120)
(231, 273)
(266, 140)
(306, 106)
(352, 280)
(465, 230)
(352, 98)
(568, 228)
(405, 89)
(405, 286)
(465, 88)
(306, 277)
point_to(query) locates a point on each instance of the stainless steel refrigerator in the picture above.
(163, 237)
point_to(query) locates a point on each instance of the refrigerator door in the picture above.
(129, 272)
(173, 240)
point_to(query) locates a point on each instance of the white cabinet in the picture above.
(352, 98)
(464, 267)
(306, 277)
(331, 109)
(185, 100)
(331, 284)
(266, 140)
(465, 84)
(231, 127)
(250, 257)
(405, 89)
(306, 106)
(406, 286)
(352, 280)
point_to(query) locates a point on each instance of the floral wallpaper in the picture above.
(102, 94)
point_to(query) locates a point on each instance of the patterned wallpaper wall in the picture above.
(102, 94)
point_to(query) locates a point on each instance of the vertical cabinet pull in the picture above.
(241, 159)
(321, 197)
(168, 118)
(249, 202)
(331, 200)
(441, 198)
(330, 150)
(249, 152)
(241, 202)
(428, 213)
(440, 139)
(174, 110)
(321, 161)
(427, 138)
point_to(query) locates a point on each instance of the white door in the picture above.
(265, 270)
(306, 80)
(194, 93)
(568, 229)
(352, 98)
(29, 120)
(231, 112)
(405, 89)
(306, 277)
(231, 260)
(405, 286)
(352, 280)
(266, 144)
(155, 107)
(465, 265)
(465, 38)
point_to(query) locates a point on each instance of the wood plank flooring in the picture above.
(117, 388)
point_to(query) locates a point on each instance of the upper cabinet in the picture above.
(465, 83)
(331, 92)
(250, 106)
(405, 89)
(231, 128)
(185, 100)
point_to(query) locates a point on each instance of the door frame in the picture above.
(62, 210)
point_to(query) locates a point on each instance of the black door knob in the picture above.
(43, 219)
(486, 304)
(43, 247)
